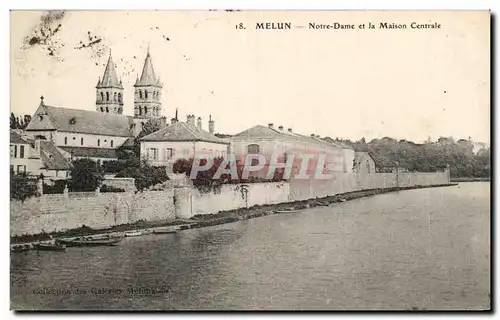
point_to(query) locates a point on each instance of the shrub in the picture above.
(145, 176)
(106, 188)
(86, 175)
(113, 166)
(23, 186)
(58, 187)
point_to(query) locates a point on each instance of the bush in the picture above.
(86, 175)
(113, 166)
(106, 188)
(58, 187)
(23, 186)
(145, 176)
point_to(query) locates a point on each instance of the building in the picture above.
(269, 141)
(181, 139)
(364, 163)
(348, 154)
(99, 134)
(36, 157)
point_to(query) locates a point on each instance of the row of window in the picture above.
(144, 110)
(114, 109)
(117, 97)
(81, 141)
(156, 94)
(14, 153)
(20, 168)
(153, 153)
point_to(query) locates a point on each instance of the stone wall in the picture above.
(190, 202)
(127, 184)
(57, 212)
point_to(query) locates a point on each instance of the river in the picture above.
(416, 249)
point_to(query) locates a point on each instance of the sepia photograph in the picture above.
(250, 160)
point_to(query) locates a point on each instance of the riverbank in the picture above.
(469, 179)
(199, 221)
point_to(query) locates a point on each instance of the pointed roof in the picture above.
(109, 78)
(181, 131)
(148, 76)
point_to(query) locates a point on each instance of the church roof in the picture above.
(148, 76)
(109, 78)
(181, 131)
(85, 152)
(80, 121)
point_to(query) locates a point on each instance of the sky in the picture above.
(405, 83)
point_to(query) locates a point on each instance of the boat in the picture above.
(90, 242)
(50, 247)
(167, 231)
(133, 234)
(287, 210)
(20, 248)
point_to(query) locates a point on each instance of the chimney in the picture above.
(190, 119)
(270, 125)
(281, 128)
(289, 129)
(211, 125)
(198, 124)
(173, 120)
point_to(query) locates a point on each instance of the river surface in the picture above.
(415, 249)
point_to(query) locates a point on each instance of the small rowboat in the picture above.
(50, 247)
(20, 248)
(286, 211)
(90, 242)
(133, 234)
(159, 231)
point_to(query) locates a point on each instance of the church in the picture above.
(99, 134)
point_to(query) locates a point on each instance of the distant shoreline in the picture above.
(469, 179)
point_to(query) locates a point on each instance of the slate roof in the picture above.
(52, 158)
(80, 121)
(91, 152)
(260, 131)
(16, 138)
(181, 131)
(109, 78)
(148, 76)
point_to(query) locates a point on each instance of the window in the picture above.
(21, 151)
(102, 109)
(107, 96)
(21, 168)
(65, 140)
(102, 96)
(98, 142)
(170, 153)
(11, 151)
(67, 174)
(119, 97)
(74, 138)
(145, 110)
(368, 166)
(140, 110)
(15, 151)
(81, 141)
(140, 94)
(114, 97)
(253, 149)
(153, 154)
(111, 143)
(145, 94)
(107, 110)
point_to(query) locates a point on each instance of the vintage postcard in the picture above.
(250, 160)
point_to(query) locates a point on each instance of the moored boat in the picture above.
(90, 242)
(20, 248)
(290, 210)
(50, 247)
(133, 234)
(164, 231)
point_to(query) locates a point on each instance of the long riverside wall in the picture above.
(58, 212)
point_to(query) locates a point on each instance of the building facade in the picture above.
(364, 163)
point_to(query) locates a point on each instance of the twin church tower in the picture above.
(147, 95)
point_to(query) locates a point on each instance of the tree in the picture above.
(86, 175)
(145, 176)
(22, 186)
(152, 125)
